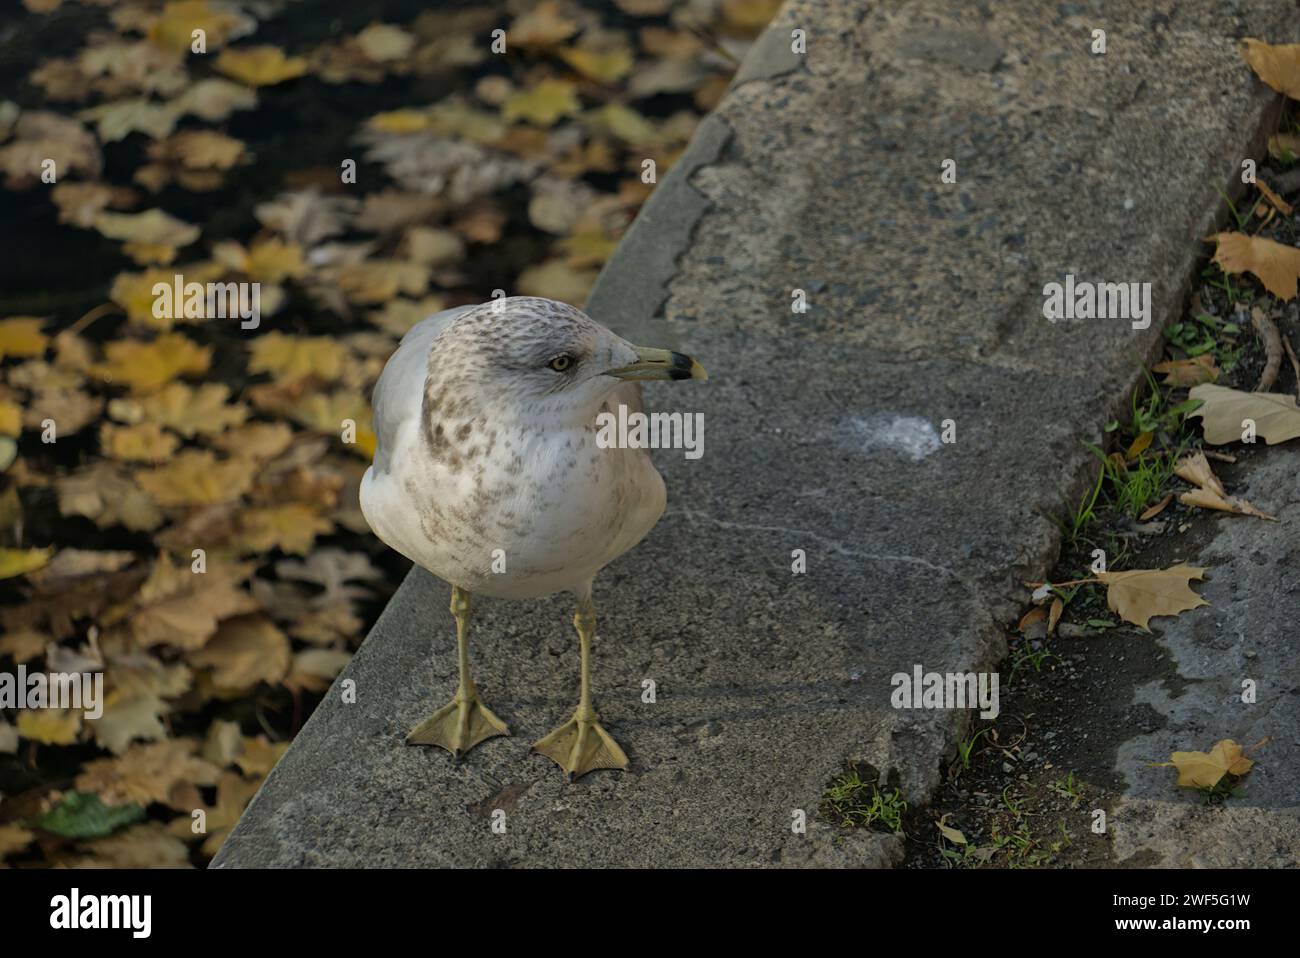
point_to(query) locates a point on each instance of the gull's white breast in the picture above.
(542, 512)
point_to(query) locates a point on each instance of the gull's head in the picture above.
(540, 355)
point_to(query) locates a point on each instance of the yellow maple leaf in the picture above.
(186, 410)
(542, 104)
(11, 418)
(143, 443)
(245, 651)
(399, 122)
(147, 367)
(16, 562)
(542, 26)
(1278, 66)
(288, 358)
(174, 26)
(1276, 265)
(291, 528)
(195, 477)
(603, 66)
(1206, 769)
(134, 292)
(376, 281)
(265, 261)
(21, 336)
(49, 726)
(260, 66)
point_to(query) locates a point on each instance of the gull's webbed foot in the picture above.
(458, 726)
(581, 745)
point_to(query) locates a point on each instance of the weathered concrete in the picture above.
(925, 305)
(1246, 632)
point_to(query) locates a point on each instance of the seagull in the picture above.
(487, 472)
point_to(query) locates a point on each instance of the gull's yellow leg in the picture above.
(580, 744)
(464, 721)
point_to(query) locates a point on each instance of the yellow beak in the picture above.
(659, 364)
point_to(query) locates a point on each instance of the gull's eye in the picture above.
(561, 363)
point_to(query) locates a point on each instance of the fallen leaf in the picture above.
(260, 66)
(1224, 412)
(1196, 469)
(14, 839)
(117, 120)
(1276, 265)
(16, 562)
(186, 410)
(106, 494)
(1281, 205)
(147, 845)
(948, 832)
(21, 336)
(288, 358)
(1037, 614)
(290, 528)
(245, 651)
(151, 237)
(383, 42)
(80, 203)
(172, 28)
(1182, 373)
(1208, 499)
(143, 443)
(1054, 616)
(214, 99)
(38, 136)
(1140, 594)
(50, 726)
(147, 367)
(1139, 446)
(1278, 66)
(555, 279)
(146, 773)
(1152, 511)
(1206, 769)
(83, 815)
(543, 103)
(197, 477)
(604, 66)
(234, 792)
(180, 608)
(542, 26)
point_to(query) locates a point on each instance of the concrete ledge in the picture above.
(925, 305)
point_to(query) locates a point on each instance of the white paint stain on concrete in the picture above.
(910, 436)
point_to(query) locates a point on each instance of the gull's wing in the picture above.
(399, 393)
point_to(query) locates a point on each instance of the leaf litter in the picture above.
(194, 530)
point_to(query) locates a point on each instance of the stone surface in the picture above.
(925, 304)
(1246, 632)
